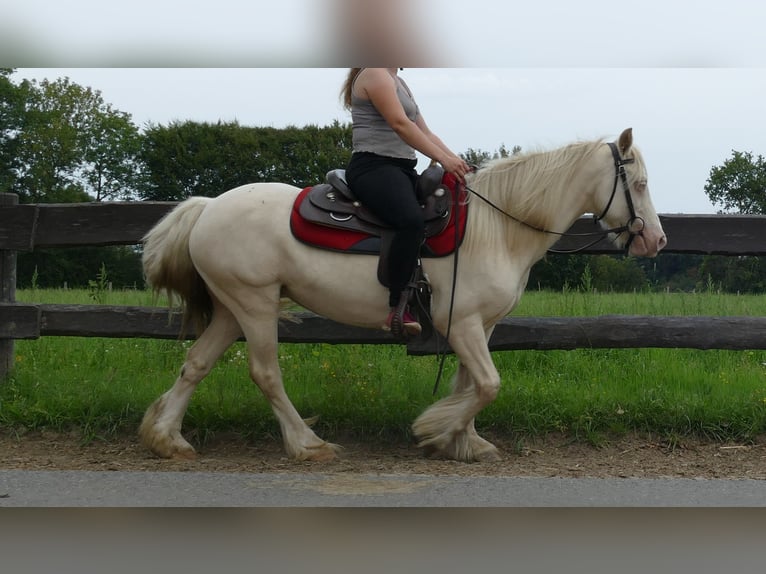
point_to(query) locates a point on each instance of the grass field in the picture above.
(101, 387)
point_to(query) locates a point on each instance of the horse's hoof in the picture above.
(184, 454)
(489, 455)
(324, 453)
(166, 447)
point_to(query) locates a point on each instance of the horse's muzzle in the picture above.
(649, 242)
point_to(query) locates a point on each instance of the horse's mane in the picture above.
(529, 186)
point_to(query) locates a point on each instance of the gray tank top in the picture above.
(371, 132)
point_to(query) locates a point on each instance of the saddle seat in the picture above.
(329, 216)
(333, 204)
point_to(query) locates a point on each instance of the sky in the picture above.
(688, 77)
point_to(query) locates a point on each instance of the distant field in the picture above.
(101, 387)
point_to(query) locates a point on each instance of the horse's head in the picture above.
(623, 203)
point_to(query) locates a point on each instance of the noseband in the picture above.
(620, 174)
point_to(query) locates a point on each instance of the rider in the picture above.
(388, 129)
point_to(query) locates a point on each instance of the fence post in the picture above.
(7, 292)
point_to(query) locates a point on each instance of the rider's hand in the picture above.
(456, 166)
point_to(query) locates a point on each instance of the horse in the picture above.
(232, 261)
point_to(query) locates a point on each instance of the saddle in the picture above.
(329, 216)
(333, 204)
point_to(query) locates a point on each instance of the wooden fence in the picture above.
(27, 227)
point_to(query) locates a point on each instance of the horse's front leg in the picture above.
(447, 427)
(469, 440)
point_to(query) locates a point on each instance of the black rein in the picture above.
(620, 174)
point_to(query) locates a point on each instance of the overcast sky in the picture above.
(687, 76)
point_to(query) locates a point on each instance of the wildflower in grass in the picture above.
(238, 357)
(366, 389)
(325, 366)
(19, 358)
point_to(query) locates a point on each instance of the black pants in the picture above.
(386, 186)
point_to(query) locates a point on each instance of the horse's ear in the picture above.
(626, 140)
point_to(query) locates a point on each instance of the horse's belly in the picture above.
(341, 287)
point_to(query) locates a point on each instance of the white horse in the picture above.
(233, 258)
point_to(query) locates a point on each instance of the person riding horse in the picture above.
(387, 129)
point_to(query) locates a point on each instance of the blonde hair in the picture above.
(345, 92)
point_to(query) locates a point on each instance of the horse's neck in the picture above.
(539, 193)
(569, 204)
(571, 210)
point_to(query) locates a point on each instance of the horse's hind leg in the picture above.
(160, 430)
(259, 324)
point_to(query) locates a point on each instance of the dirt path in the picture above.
(631, 456)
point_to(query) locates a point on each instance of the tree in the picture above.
(556, 271)
(743, 274)
(60, 142)
(11, 118)
(77, 267)
(72, 146)
(739, 185)
(617, 273)
(673, 271)
(110, 167)
(479, 157)
(190, 158)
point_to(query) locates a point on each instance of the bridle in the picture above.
(620, 174)
(630, 226)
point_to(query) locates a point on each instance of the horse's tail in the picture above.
(168, 266)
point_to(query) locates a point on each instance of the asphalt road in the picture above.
(20, 488)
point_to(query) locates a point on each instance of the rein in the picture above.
(452, 290)
(620, 174)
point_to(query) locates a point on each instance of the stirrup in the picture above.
(400, 321)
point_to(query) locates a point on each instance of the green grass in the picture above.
(101, 387)
(577, 303)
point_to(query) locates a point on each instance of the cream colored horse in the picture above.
(231, 259)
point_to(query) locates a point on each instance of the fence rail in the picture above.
(28, 227)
